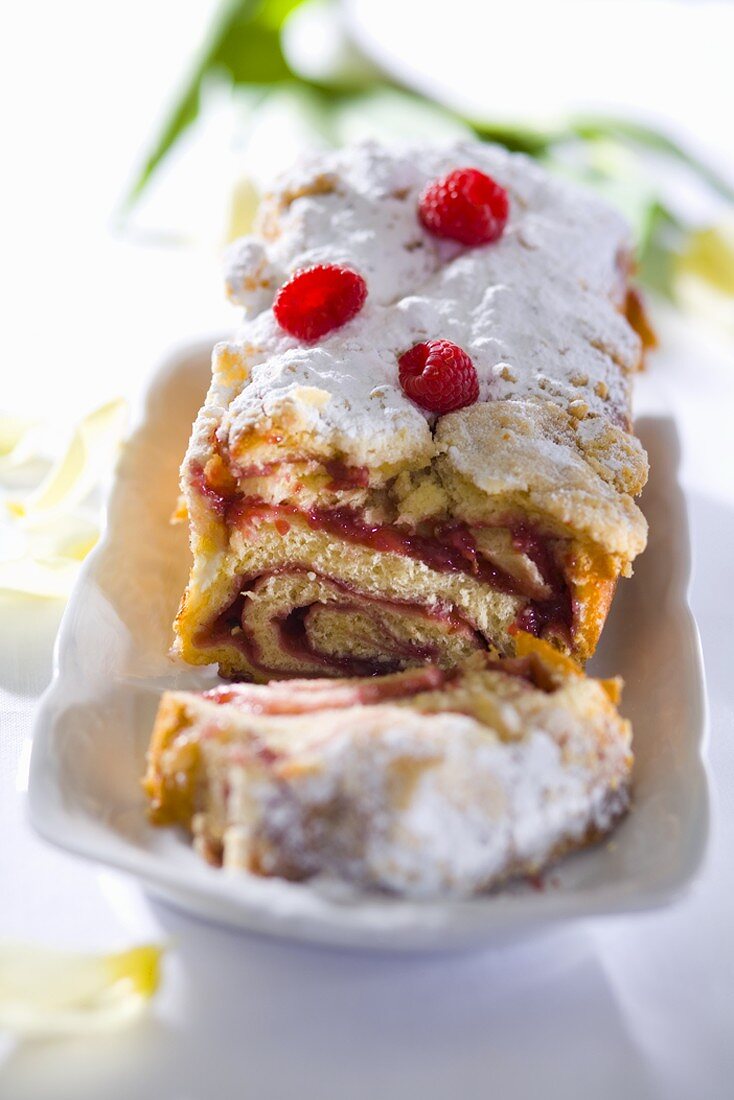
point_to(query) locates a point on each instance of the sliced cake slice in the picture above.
(422, 782)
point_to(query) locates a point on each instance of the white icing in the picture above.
(537, 310)
(486, 806)
(476, 808)
(250, 279)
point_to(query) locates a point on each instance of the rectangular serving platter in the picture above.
(112, 662)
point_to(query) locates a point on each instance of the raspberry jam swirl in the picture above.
(444, 547)
(448, 548)
(379, 635)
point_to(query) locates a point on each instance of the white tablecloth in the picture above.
(638, 1007)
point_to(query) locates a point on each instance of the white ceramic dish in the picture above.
(112, 662)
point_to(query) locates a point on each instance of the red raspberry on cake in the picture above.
(466, 206)
(438, 376)
(318, 300)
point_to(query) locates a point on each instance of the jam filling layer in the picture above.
(296, 697)
(443, 547)
(448, 548)
(288, 630)
(307, 696)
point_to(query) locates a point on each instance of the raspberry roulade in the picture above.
(419, 441)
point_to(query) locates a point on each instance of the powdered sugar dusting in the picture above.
(537, 310)
(424, 803)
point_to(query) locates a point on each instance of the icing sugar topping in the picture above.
(447, 802)
(538, 311)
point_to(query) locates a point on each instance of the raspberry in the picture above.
(438, 376)
(466, 206)
(318, 299)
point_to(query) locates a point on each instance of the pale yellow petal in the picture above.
(709, 255)
(12, 430)
(49, 579)
(56, 535)
(88, 458)
(50, 992)
(703, 275)
(244, 202)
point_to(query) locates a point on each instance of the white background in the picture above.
(635, 1007)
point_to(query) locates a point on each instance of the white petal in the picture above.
(88, 458)
(46, 992)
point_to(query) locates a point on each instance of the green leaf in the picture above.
(590, 128)
(660, 238)
(518, 139)
(243, 44)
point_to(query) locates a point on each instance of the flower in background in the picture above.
(46, 993)
(703, 274)
(52, 508)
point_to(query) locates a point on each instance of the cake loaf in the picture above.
(419, 441)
